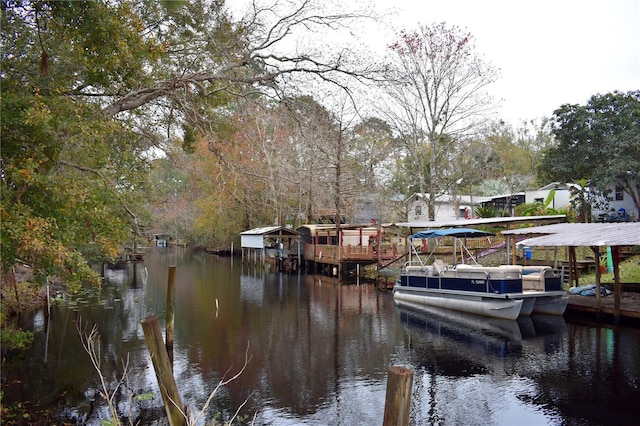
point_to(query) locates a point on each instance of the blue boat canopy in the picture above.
(451, 232)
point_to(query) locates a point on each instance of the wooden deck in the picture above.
(586, 306)
(335, 255)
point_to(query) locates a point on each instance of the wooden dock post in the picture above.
(171, 284)
(163, 370)
(617, 287)
(398, 400)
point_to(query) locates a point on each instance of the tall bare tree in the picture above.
(437, 98)
(322, 144)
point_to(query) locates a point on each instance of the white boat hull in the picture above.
(551, 304)
(487, 306)
(527, 306)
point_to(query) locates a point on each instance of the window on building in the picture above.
(619, 193)
(538, 200)
(418, 210)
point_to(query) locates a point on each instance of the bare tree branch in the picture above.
(260, 66)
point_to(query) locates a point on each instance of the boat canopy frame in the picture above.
(456, 233)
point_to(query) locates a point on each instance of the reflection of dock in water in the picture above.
(362, 298)
(132, 275)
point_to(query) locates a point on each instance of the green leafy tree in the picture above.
(90, 87)
(515, 154)
(69, 175)
(598, 142)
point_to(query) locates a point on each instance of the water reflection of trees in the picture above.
(331, 333)
(320, 352)
(57, 379)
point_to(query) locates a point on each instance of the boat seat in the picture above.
(464, 270)
(493, 272)
(510, 271)
(417, 270)
(536, 269)
(439, 267)
(533, 281)
(467, 266)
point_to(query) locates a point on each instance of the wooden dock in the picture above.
(340, 251)
(585, 306)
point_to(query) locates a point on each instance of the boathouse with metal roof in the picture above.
(258, 245)
(597, 236)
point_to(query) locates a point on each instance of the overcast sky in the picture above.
(549, 52)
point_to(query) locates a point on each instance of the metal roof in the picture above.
(579, 234)
(313, 227)
(268, 230)
(482, 221)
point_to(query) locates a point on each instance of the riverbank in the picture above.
(20, 294)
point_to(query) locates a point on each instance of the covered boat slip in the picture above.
(271, 243)
(597, 236)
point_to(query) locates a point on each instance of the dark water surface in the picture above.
(319, 354)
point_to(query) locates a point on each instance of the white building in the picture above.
(561, 197)
(619, 200)
(447, 207)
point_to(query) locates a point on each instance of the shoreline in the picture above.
(19, 294)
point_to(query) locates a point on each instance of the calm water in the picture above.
(319, 354)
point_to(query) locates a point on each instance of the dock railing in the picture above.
(324, 253)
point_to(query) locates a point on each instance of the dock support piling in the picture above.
(163, 370)
(617, 287)
(398, 399)
(171, 284)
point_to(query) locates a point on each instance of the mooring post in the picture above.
(617, 287)
(398, 400)
(163, 370)
(170, 312)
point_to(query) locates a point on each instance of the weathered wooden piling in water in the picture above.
(170, 312)
(163, 370)
(397, 404)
